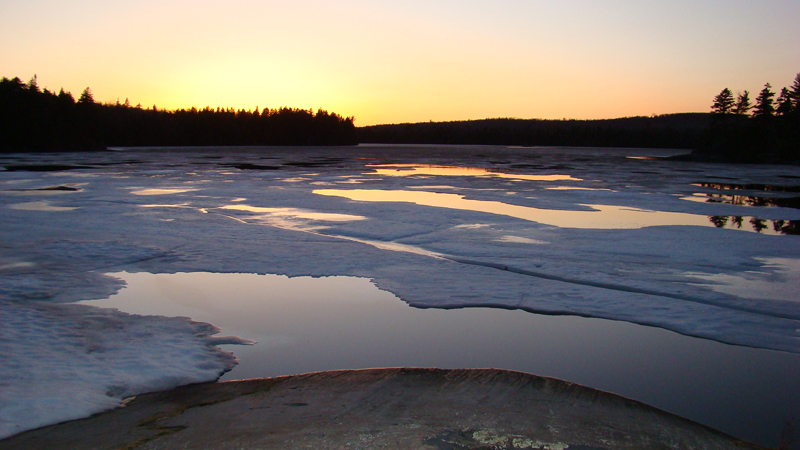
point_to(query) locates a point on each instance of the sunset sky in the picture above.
(410, 60)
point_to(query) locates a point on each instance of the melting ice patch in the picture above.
(17, 265)
(291, 218)
(70, 361)
(520, 240)
(40, 206)
(776, 281)
(295, 212)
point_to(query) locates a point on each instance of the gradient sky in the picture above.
(409, 60)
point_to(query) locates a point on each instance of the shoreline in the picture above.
(370, 408)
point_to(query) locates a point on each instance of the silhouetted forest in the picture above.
(665, 131)
(36, 120)
(766, 129)
(737, 129)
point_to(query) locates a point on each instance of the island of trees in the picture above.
(764, 130)
(35, 120)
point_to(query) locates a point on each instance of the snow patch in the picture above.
(776, 280)
(65, 362)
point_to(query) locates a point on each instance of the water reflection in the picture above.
(405, 170)
(160, 191)
(598, 217)
(749, 187)
(746, 200)
(575, 188)
(163, 205)
(310, 324)
(772, 227)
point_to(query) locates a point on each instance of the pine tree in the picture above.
(784, 102)
(86, 96)
(723, 103)
(764, 104)
(794, 93)
(66, 96)
(33, 84)
(743, 105)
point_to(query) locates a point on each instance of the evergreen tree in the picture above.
(764, 104)
(33, 84)
(66, 96)
(784, 102)
(723, 103)
(743, 105)
(86, 96)
(794, 94)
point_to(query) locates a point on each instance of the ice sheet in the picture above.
(728, 285)
(65, 362)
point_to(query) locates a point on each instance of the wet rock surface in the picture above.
(382, 408)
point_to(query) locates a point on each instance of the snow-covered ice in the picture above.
(66, 361)
(587, 232)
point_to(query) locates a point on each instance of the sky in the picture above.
(409, 60)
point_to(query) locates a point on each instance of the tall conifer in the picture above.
(764, 104)
(743, 105)
(723, 103)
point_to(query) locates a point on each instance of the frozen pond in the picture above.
(696, 260)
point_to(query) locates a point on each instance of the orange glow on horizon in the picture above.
(384, 62)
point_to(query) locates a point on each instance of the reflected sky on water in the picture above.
(594, 217)
(405, 170)
(153, 191)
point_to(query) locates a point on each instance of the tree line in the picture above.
(39, 120)
(737, 128)
(766, 129)
(665, 131)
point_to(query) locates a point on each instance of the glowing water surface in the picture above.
(161, 191)
(598, 217)
(308, 324)
(405, 170)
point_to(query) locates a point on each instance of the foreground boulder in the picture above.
(382, 408)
